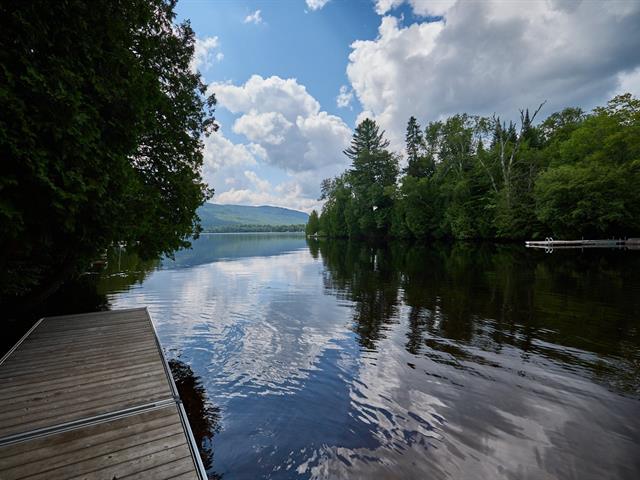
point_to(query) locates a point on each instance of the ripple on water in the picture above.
(426, 363)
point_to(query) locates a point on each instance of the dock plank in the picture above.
(125, 446)
(90, 396)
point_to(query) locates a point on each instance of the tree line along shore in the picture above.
(572, 175)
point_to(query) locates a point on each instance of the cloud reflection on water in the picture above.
(360, 361)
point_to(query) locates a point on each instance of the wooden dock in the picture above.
(551, 243)
(91, 396)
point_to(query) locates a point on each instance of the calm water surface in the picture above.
(347, 360)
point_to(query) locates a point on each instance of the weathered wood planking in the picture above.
(151, 444)
(91, 396)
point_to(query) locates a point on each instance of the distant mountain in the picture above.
(216, 217)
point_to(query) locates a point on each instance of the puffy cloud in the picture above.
(493, 56)
(422, 8)
(259, 183)
(227, 166)
(629, 82)
(345, 97)
(203, 54)
(273, 94)
(325, 138)
(285, 128)
(269, 127)
(286, 121)
(255, 18)
(220, 152)
(316, 4)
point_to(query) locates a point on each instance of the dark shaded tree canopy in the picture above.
(101, 122)
(313, 224)
(414, 142)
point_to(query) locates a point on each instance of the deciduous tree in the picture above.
(101, 120)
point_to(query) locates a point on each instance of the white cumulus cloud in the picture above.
(273, 94)
(494, 56)
(286, 121)
(255, 17)
(268, 127)
(203, 53)
(225, 162)
(261, 184)
(316, 4)
(420, 7)
(286, 194)
(220, 152)
(629, 82)
(345, 97)
(283, 126)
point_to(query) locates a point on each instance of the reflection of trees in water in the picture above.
(314, 247)
(492, 296)
(87, 293)
(123, 270)
(204, 418)
(366, 275)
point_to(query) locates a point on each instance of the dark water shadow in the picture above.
(204, 417)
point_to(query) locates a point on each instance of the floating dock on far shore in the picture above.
(550, 243)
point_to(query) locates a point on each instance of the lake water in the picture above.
(348, 360)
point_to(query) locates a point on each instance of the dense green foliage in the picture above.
(313, 224)
(572, 175)
(101, 120)
(212, 216)
(360, 202)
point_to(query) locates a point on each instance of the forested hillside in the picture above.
(228, 218)
(573, 174)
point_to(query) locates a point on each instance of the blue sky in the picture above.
(291, 41)
(277, 68)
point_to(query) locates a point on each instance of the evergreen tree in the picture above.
(530, 134)
(526, 123)
(313, 224)
(512, 135)
(372, 163)
(497, 133)
(366, 138)
(414, 148)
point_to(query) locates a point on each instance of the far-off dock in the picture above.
(548, 243)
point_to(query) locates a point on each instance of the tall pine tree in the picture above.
(373, 177)
(414, 149)
(367, 138)
(313, 224)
